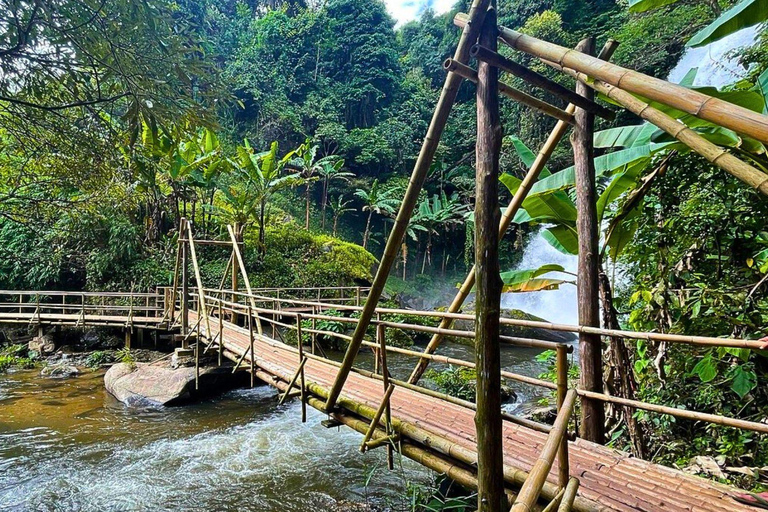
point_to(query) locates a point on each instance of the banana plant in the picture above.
(375, 200)
(436, 213)
(339, 206)
(309, 166)
(331, 170)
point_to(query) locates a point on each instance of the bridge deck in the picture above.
(79, 319)
(610, 479)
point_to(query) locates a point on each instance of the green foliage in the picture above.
(456, 381)
(100, 358)
(124, 355)
(16, 356)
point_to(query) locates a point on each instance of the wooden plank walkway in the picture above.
(610, 479)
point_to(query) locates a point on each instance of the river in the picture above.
(66, 444)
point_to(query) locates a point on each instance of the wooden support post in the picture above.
(381, 337)
(590, 345)
(421, 168)
(235, 284)
(314, 328)
(221, 331)
(300, 345)
(562, 390)
(250, 339)
(558, 132)
(184, 285)
(488, 420)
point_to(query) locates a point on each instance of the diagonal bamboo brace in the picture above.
(295, 377)
(558, 132)
(419, 174)
(377, 417)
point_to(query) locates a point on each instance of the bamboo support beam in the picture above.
(566, 503)
(292, 383)
(532, 487)
(510, 92)
(494, 59)
(377, 417)
(713, 153)
(705, 107)
(420, 170)
(300, 346)
(545, 153)
(246, 280)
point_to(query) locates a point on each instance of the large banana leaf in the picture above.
(626, 136)
(530, 281)
(562, 238)
(625, 180)
(621, 234)
(551, 208)
(744, 14)
(526, 155)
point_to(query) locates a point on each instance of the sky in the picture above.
(406, 10)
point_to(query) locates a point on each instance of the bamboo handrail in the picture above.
(705, 107)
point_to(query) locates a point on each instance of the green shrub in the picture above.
(455, 381)
(98, 358)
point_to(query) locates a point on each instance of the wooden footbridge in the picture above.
(436, 430)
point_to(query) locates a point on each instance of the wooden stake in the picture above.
(590, 346)
(419, 174)
(558, 132)
(488, 422)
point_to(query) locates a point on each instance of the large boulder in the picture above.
(150, 384)
(42, 344)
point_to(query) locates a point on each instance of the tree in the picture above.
(339, 206)
(309, 166)
(435, 214)
(375, 200)
(330, 172)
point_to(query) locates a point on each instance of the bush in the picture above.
(98, 358)
(455, 381)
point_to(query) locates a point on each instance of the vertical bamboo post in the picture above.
(235, 283)
(300, 344)
(184, 285)
(381, 337)
(488, 421)
(357, 296)
(421, 168)
(545, 153)
(250, 339)
(590, 345)
(562, 390)
(275, 318)
(221, 331)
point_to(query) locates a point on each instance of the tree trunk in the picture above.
(262, 236)
(325, 201)
(367, 232)
(620, 379)
(490, 475)
(306, 220)
(335, 224)
(590, 345)
(404, 249)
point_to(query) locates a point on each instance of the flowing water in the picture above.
(66, 444)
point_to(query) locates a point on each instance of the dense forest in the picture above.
(301, 121)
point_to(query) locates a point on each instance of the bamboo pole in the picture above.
(293, 380)
(514, 206)
(184, 284)
(300, 345)
(221, 331)
(713, 153)
(199, 280)
(587, 289)
(419, 174)
(705, 107)
(488, 422)
(377, 417)
(566, 504)
(532, 487)
(246, 280)
(494, 59)
(250, 340)
(563, 474)
(381, 336)
(510, 92)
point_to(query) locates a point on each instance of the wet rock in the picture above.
(545, 415)
(42, 344)
(61, 370)
(150, 384)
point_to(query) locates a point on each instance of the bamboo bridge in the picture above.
(510, 460)
(434, 429)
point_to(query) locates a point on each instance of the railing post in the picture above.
(250, 337)
(184, 284)
(221, 330)
(562, 390)
(275, 318)
(381, 337)
(314, 328)
(357, 296)
(300, 343)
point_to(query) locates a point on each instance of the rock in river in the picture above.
(151, 384)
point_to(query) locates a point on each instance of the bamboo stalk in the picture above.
(199, 280)
(563, 474)
(293, 380)
(246, 280)
(545, 153)
(381, 336)
(566, 504)
(494, 59)
(532, 487)
(421, 168)
(377, 417)
(713, 153)
(507, 90)
(300, 345)
(705, 107)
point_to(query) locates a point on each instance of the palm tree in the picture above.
(258, 179)
(330, 171)
(339, 207)
(309, 165)
(376, 200)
